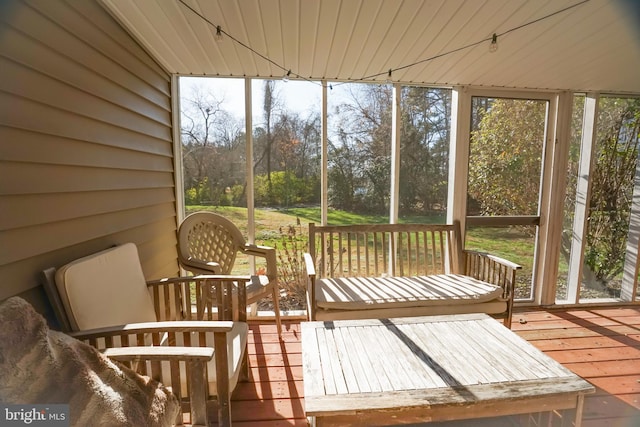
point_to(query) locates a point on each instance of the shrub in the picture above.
(291, 269)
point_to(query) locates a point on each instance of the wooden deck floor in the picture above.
(602, 346)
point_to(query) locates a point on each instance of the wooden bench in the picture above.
(399, 270)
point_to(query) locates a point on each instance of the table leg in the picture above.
(579, 409)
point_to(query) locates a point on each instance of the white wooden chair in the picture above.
(103, 299)
(209, 243)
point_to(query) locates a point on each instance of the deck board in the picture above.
(602, 346)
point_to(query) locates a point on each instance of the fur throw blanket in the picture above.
(40, 366)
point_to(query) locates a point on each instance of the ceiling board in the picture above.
(593, 45)
(357, 63)
(343, 35)
(290, 10)
(308, 28)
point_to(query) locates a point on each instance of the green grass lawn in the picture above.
(510, 243)
(286, 230)
(338, 217)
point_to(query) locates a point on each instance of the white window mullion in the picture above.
(583, 195)
(553, 190)
(459, 156)
(178, 173)
(248, 121)
(631, 261)
(459, 159)
(324, 185)
(396, 127)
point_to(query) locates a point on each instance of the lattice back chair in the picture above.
(209, 243)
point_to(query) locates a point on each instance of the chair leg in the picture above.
(198, 391)
(222, 380)
(276, 309)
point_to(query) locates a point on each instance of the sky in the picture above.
(298, 96)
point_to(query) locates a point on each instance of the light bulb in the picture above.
(286, 76)
(389, 81)
(218, 36)
(494, 43)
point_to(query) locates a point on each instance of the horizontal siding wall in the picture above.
(86, 151)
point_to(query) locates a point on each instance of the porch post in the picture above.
(459, 159)
(587, 147)
(396, 127)
(178, 175)
(553, 192)
(324, 185)
(459, 156)
(631, 265)
(248, 123)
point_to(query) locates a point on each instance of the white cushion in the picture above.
(107, 288)
(489, 307)
(366, 293)
(236, 346)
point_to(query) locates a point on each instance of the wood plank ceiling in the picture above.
(580, 45)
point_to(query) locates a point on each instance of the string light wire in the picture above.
(288, 71)
(219, 30)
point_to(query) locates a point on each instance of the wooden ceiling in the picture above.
(591, 45)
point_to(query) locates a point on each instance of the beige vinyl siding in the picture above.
(86, 149)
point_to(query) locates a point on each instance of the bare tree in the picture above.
(212, 143)
(270, 109)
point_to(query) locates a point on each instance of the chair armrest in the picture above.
(159, 353)
(259, 250)
(266, 252)
(198, 266)
(154, 327)
(201, 278)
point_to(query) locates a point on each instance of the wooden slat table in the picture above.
(435, 368)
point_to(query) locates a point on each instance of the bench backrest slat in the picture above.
(392, 249)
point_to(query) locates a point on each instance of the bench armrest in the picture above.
(506, 263)
(495, 270)
(309, 264)
(491, 269)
